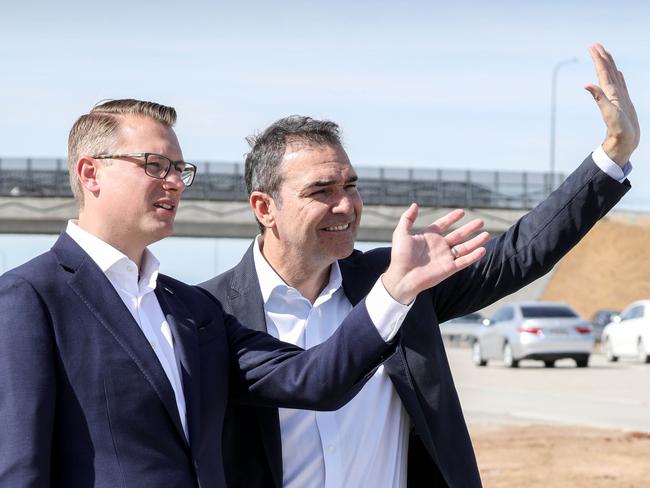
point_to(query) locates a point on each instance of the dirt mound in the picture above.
(608, 269)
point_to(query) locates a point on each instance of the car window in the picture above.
(533, 312)
(502, 314)
(471, 317)
(633, 313)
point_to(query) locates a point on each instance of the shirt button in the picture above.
(129, 268)
(330, 448)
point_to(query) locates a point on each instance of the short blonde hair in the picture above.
(97, 131)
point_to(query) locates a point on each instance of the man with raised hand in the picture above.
(113, 375)
(301, 275)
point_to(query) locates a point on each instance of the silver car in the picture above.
(462, 328)
(546, 331)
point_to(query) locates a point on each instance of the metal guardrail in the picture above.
(218, 181)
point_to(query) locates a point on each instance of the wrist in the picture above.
(396, 286)
(617, 150)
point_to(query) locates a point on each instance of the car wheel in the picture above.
(477, 354)
(549, 363)
(642, 352)
(582, 361)
(609, 351)
(509, 360)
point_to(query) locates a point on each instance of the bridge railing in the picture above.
(36, 177)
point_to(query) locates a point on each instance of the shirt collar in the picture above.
(271, 282)
(108, 258)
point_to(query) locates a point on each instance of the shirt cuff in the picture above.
(386, 313)
(603, 161)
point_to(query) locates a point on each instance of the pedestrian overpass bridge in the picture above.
(203, 218)
(35, 198)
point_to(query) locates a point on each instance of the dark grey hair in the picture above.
(262, 169)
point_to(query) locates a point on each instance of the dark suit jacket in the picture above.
(440, 450)
(85, 402)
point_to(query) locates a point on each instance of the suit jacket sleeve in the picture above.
(27, 386)
(533, 245)
(269, 372)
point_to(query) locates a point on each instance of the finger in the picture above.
(464, 261)
(464, 248)
(443, 223)
(605, 54)
(625, 96)
(599, 96)
(604, 64)
(407, 219)
(621, 80)
(459, 235)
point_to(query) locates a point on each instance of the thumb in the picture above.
(599, 96)
(407, 219)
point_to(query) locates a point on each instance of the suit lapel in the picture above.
(97, 293)
(245, 296)
(357, 280)
(245, 300)
(186, 351)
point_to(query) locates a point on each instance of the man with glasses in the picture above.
(114, 375)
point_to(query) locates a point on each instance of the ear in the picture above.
(87, 168)
(263, 206)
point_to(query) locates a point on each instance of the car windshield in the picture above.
(471, 317)
(532, 312)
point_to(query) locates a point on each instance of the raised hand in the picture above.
(420, 261)
(614, 102)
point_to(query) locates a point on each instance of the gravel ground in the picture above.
(561, 456)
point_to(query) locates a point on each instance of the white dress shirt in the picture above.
(136, 289)
(363, 444)
(612, 169)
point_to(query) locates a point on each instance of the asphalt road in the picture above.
(608, 395)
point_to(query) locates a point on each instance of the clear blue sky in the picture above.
(413, 84)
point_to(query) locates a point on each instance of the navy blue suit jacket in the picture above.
(85, 402)
(440, 449)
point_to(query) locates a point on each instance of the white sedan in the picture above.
(629, 334)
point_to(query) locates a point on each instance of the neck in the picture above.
(296, 270)
(113, 236)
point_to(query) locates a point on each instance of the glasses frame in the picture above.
(146, 164)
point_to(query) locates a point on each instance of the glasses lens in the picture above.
(187, 174)
(156, 166)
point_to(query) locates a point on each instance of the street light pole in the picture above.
(556, 68)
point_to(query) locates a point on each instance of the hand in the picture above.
(420, 261)
(615, 106)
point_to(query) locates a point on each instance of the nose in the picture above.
(173, 181)
(344, 203)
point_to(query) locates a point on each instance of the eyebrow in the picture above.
(319, 183)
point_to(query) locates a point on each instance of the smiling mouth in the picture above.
(165, 206)
(337, 228)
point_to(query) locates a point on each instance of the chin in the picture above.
(160, 233)
(342, 251)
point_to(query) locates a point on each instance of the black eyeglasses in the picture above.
(158, 166)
